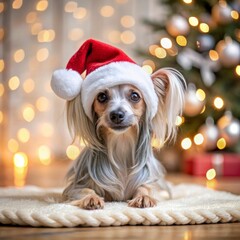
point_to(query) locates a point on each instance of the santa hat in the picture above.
(106, 66)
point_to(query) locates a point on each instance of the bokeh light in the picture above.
(72, 152)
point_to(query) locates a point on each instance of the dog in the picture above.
(117, 163)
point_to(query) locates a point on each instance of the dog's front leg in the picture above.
(87, 199)
(142, 198)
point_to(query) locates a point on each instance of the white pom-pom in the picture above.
(66, 83)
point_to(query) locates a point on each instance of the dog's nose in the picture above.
(117, 116)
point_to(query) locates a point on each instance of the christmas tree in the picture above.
(201, 40)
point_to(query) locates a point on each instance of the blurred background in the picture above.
(199, 38)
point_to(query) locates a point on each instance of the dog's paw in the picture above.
(89, 202)
(143, 201)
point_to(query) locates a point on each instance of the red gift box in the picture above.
(225, 164)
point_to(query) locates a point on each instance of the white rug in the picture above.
(191, 204)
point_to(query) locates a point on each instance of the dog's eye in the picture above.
(135, 97)
(102, 97)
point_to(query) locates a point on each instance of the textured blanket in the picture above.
(191, 204)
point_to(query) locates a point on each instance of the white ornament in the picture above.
(193, 106)
(210, 134)
(229, 52)
(177, 25)
(229, 128)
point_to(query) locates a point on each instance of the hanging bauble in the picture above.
(221, 12)
(229, 52)
(205, 42)
(193, 105)
(210, 134)
(177, 25)
(229, 128)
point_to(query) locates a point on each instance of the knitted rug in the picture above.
(191, 204)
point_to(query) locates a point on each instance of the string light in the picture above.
(234, 14)
(181, 41)
(2, 65)
(28, 113)
(42, 104)
(70, 6)
(13, 145)
(1, 117)
(152, 49)
(36, 28)
(198, 139)
(72, 152)
(186, 143)
(17, 4)
(148, 69)
(160, 52)
(107, 11)
(204, 27)
(211, 174)
(28, 85)
(13, 83)
(42, 5)
(1, 33)
(237, 70)
(20, 160)
(19, 55)
(187, 1)
(166, 43)
(23, 135)
(1, 7)
(213, 55)
(193, 21)
(75, 34)
(31, 17)
(128, 37)
(221, 143)
(46, 35)
(80, 13)
(200, 94)
(127, 21)
(42, 54)
(179, 120)
(44, 154)
(218, 102)
(1, 89)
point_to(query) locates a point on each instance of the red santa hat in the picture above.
(106, 66)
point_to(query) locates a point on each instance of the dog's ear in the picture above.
(170, 86)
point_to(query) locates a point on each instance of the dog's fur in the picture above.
(117, 163)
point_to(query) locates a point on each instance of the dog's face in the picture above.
(118, 108)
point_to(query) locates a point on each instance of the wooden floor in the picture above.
(53, 177)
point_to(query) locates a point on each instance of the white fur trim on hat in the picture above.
(66, 83)
(117, 73)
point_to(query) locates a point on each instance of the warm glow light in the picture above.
(75, 34)
(17, 4)
(44, 154)
(156, 143)
(1, 89)
(128, 37)
(213, 55)
(1, 33)
(42, 104)
(42, 54)
(179, 120)
(237, 70)
(72, 152)
(150, 63)
(80, 13)
(234, 14)
(19, 55)
(127, 21)
(187, 1)
(198, 139)
(28, 85)
(13, 145)
(46, 129)
(42, 5)
(160, 52)
(1, 117)
(28, 113)
(114, 36)
(31, 17)
(14, 83)
(203, 110)
(211, 174)
(204, 27)
(152, 49)
(2, 65)
(186, 143)
(46, 35)
(23, 135)
(221, 143)
(193, 21)
(1, 7)
(70, 6)
(36, 28)
(200, 94)
(181, 41)
(148, 69)
(20, 160)
(107, 11)
(166, 43)
(218, 102)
